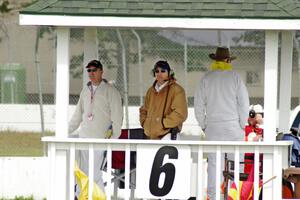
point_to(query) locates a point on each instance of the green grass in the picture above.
(20, 198)
(21, 144)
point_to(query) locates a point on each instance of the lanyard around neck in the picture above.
(93, 91)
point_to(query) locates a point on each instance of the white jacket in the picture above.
(106, 109)
(221, 96)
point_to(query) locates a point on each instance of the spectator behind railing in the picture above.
(165, 106)
(98, 114)
(221, 107)
(292, 174)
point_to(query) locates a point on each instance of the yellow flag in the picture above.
(83, 182)
(232, 194)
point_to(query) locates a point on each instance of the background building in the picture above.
(27, 53)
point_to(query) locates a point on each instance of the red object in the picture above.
(287, 192)
(118, 157)
(247, 187)
(249, 157)
(249, 129)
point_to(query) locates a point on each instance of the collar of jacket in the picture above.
(89, 83)
(171, 81)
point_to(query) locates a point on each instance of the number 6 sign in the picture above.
(163, 172)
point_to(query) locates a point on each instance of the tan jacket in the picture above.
(156, 123)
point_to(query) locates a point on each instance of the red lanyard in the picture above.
(90, 114)
(92, 92)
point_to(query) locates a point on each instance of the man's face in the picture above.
(161, 75)
(95, 74)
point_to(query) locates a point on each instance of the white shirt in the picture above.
(160, 87)
(95, 87)
(221, 96)
(106, 109)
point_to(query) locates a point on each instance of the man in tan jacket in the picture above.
(165, 105)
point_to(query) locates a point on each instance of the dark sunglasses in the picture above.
(91, 70)
(161, 71)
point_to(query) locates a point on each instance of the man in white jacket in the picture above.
(98, 114)
(221, 107)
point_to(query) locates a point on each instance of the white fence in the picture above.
(24, 176)
(62, 158)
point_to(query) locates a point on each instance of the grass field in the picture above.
(20, 198)
(21, 143)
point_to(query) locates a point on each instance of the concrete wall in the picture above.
(20, 117)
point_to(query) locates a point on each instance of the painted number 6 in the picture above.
(158, 168)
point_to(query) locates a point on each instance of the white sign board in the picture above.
(163, 172)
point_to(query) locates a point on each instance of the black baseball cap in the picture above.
(94, 63)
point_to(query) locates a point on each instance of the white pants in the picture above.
(223, 131)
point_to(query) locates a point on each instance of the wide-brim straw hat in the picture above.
(222, 53)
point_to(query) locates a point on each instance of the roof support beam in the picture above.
(62, 82)
(270, 104)
(285, 80)
(270, 86)
(90, 49)
(62, 104)
(165, 23)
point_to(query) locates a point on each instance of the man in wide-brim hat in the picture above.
(221, 107)
(222, 59)
(222, 53)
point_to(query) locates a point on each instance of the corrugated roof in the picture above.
(256, 9)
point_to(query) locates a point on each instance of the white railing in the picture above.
(61, 153)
